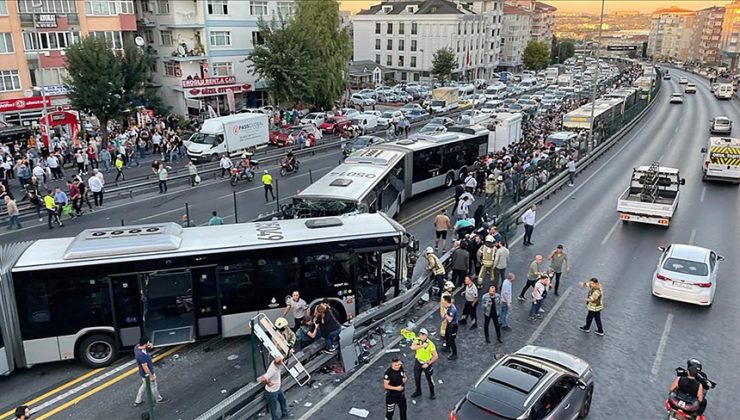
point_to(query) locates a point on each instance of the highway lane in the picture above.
(644, 334)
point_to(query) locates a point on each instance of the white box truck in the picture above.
(506, 128)
(652, 196)
(232, 134)
(444, 99)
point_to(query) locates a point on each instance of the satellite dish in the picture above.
(139, 41)
(181, 50)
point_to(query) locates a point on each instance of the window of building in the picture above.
(413, 61)
(404, 76)
(414, 28)
(165, 38)
(459, 28)
(35, 41)
(223, 69)
(377, 44)
(3, 11)
(389, 60)
(377, 28)
(400, 45)
(149, 36)
(389, 45)
(45, 6)
(218, 7)
(163, 7)
(413, 45)
(416, 77)
(389, 30)
(377, 58)
(258, 8)
(9, 80)
(400, 61)
(257, 38)
(172, 69)
(127, 7)
(220, 38)
(50, 76)
(6, 43)
(113, 38)
(285, 8)
(401, 28)
(108, 7)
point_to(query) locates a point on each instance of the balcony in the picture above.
(185, 53)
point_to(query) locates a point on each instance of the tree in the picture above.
(328, 47)
(536, 56)
(443, 62)
(105, 82)
(562, 50)
(632, 54)
(280, 61)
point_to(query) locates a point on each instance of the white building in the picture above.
(516, 33)
(542, 17)
(403, 36)
(670, 33)
(202, 47)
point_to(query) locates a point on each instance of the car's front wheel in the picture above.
(586, 406)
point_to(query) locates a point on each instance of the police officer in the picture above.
(486, 254)
(426, 355)
(267, 183)
(394, 383)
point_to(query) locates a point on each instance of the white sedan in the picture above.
(683, 81)
(686, 273)
(677, 98)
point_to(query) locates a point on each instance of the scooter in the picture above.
(285, 169)
(238, 174)
(681, 406)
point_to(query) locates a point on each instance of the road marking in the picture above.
(576, 189)
(703, 191)
(161, 214)
(661, 346)
(104, 385)
(549, 316)
(357, 374)
(609, 234)
(692, 237)
(53, 391)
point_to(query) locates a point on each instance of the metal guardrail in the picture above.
(511, 217)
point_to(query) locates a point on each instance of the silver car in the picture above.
(532, 383)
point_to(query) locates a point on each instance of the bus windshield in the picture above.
(319, 207)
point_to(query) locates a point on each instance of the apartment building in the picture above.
(202, 48)
(730, 38)
(515, 34)
(33, 37)
(670, 34)
(403, 37)
(706, 36)
(542, 17)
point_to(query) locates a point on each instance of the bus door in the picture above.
(206, 301)
(169, 312)
(4, 363)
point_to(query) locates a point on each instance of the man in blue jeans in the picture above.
(538, 295)
(273, 393)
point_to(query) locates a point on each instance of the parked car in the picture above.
(411, 107)
(416, 115)
(315, 118)
(464, 104)
(389, 117)
(360, 100)
(335, 124)
(532, 383)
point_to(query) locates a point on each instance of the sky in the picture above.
(589, 6)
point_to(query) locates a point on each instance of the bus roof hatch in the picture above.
(124, 240)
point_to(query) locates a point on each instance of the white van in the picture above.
(365, 122)
(721, 159)
(724, 91)
(497, 91)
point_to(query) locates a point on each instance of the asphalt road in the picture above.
(646, 337)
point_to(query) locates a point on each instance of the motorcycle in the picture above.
(286, 169)
(681, 406)
(238, 174)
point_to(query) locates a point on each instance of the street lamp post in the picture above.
(423, 63)
(598, 77)
(41, 90)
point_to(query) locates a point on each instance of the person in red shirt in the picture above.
(74, 195)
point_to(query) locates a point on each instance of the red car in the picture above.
(279, 136)
(335, 124)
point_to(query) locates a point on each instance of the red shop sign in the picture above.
(20, 104)
(209, 81)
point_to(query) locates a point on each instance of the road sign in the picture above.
(621, 47)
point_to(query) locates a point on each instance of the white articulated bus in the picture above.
(382, 177)
(88, 296)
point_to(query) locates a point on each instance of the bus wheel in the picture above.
(96, 351)
(450, 180)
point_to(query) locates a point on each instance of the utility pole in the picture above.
(598, 77)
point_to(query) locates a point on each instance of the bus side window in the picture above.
(33, 307)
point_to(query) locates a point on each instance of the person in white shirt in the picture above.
(571, 167)
(470, 183)
(463, 206)
(528, 219)
(96, 186)
(156, 142)
(273, 394)
(225, 165)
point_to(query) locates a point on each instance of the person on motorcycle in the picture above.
(691, 386)
(289, 161)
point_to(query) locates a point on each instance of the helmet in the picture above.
(430, 250)
(424, 331)
(695, 363)
(449, 285)
(281, 323)
(492, 176)
(489, 238)
(266, 171)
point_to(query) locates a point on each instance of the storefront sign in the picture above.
(220, 90)
(209, 81)
(46, 21)
(55, 90)
(21, 104)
